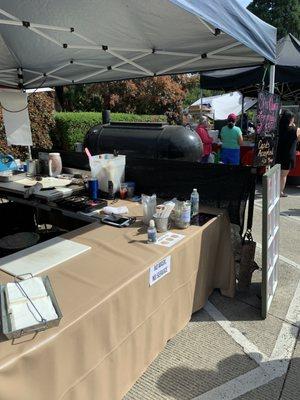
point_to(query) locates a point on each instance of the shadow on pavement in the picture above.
(245, 306)
(292, 212)
(183, 383)
(186, 383)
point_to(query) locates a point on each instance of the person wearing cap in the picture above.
(205, 138)
(232, 138)
(186, 119)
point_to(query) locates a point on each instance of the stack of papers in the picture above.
(34, 288)
(23, 312)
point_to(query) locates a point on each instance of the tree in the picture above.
(156, 95)
(191, 84)
(142, 96)
(283, 14)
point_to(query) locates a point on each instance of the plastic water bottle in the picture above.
(194, 202)
(152, 233)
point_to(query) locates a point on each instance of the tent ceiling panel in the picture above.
(144, 38)
(249, 79)
(288, 51)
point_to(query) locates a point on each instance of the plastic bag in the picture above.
(149, 207)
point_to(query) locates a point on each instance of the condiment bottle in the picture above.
(152, 233)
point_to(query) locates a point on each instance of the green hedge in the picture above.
(71, 127)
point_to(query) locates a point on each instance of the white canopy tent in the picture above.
(222, 105)
(62, 42)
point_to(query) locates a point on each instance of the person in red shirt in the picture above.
(205, 138)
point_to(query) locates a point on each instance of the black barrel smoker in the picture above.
(164, 159)
(145, 140)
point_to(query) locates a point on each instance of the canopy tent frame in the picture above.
(254, 51)
(283, 78)
(272, 79)
(214, 54)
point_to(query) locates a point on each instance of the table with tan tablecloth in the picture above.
(114, 324)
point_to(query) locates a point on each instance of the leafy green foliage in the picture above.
(71, 127)
(193, 95)
(123, 117)
(283, 14)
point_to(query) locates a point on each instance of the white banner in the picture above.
(16, 117)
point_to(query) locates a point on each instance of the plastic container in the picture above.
(123, 191)
(108, 168)
(182, 214)
(161, 223)
(33, 167)
(130, 189)
(149, 207)
(55, 164)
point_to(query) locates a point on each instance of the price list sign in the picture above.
(267, 129)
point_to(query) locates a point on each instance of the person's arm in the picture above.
(221, 134)
(240, 138)
(298, 134)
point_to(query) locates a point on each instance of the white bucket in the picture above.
(108, 168)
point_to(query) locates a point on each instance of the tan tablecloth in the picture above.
(113, 323)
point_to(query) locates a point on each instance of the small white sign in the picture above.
(159, 270)
(169, 239)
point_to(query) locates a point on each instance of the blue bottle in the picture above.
(152, 233)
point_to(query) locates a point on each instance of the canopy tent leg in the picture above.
(201, 94)
(243, 110)
(272, 79)
(29, 153)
